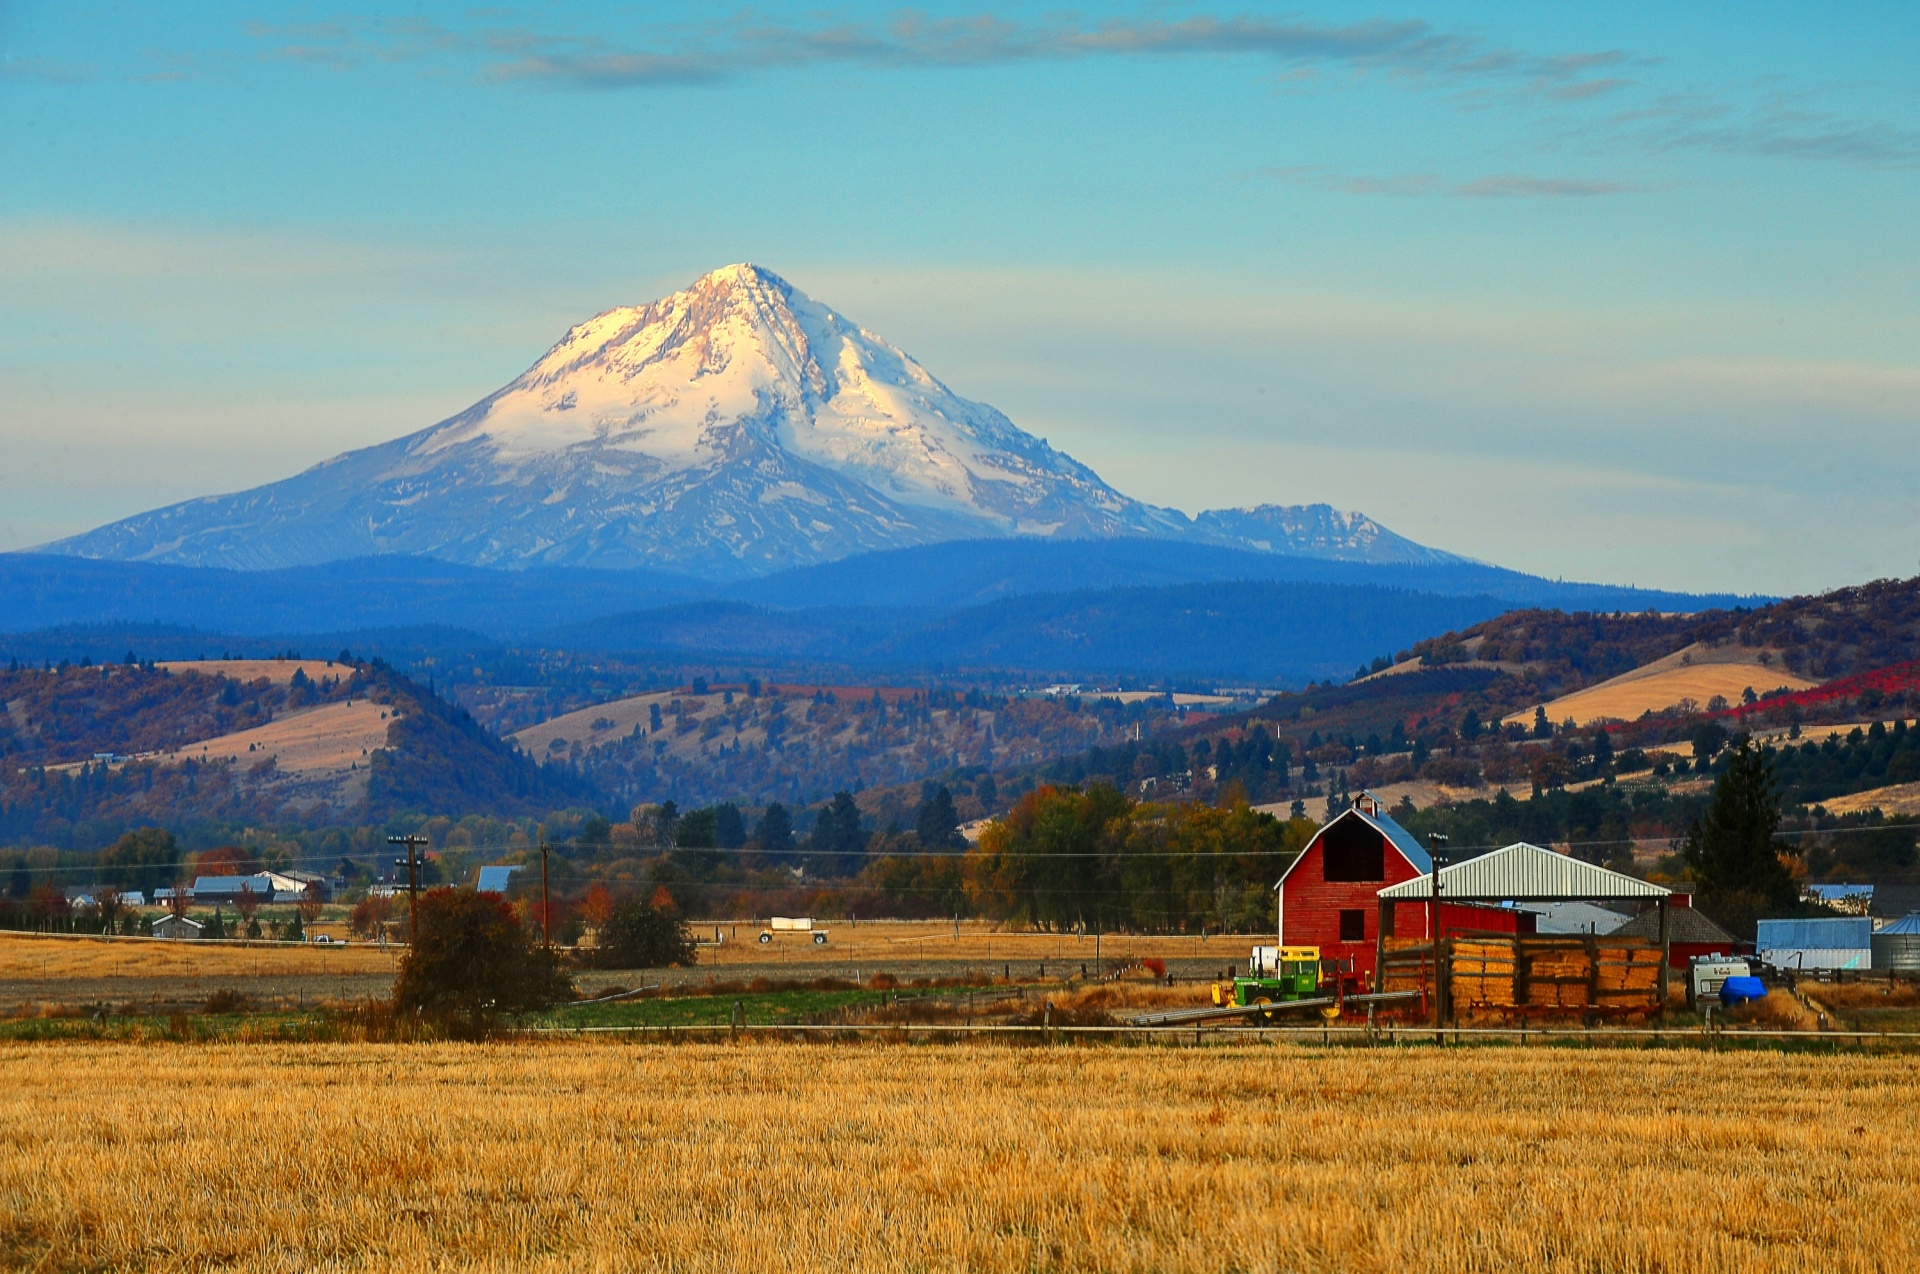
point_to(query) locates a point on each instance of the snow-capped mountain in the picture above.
(730, 429)
(1315, 530)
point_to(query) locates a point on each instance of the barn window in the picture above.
(1353, 851)
(1353, 926)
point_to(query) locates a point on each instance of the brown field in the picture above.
(67, 971)
(1697, 673)
(879, 943)
(593, 1155)
(1901, 798)
(278, 671)
(331, 738)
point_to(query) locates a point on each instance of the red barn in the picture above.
(1327, 896)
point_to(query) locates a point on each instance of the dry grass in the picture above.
(871, 1157)
(879, 943)
(329, 739)
(30, 957)
(1900, 798)
(1627, 697)
(278, 671)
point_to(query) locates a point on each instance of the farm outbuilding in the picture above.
(1896, 948)
(1610, 972)
(177, 927)
(1689, 933)
(1328, 895)
(1840, 943)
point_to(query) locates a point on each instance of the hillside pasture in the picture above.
(329, 739)
(1698, 673)
(278, 671)
(594, 1155)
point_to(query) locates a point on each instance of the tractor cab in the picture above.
(1274, 975)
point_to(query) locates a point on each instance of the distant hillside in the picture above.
(87, 751)
(43, 591)
(1262, 631)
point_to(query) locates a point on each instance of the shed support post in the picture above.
(1380, 931)
(1666, 956)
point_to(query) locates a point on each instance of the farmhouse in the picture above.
(1328, 895)
(177, 927)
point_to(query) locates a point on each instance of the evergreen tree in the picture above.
(1542, 728)
(775, 832)
(1731, 850)
(293, 930)
(216, 927)
(729, 829)
(838, 843)
(937, 824)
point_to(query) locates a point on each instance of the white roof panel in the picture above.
(1525, 872)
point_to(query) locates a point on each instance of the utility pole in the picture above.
(1437, 852)
(413, 842)
(546, 913)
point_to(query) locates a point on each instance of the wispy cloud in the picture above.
(742, 46)
(1415, 185)
(44, 70)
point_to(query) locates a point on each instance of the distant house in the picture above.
(177, 927)
(214, 891)
(496, 880)
(305, 880)
(163, 897)
(1848, 900)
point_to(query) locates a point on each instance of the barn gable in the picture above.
(1358, 831)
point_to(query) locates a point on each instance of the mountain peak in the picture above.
(732, 428)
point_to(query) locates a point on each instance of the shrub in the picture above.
(640, 936)
(472, 960)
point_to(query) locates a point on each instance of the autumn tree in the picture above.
(369, 916)
(640, 936)
(472, 961)
(144, 859)
(311, 904)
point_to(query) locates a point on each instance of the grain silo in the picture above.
(1897, 946)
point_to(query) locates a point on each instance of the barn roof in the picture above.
(1401, 839)
(1684, 924)
(260, 884)
(494, 880)
(1909, 923)
(1523, 872)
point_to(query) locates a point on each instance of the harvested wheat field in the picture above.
(878, 944)
(570, 1155)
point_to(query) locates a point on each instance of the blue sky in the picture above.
(1617, 292)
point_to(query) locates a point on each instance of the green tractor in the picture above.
(1275, 975)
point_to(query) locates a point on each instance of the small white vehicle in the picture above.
(787, 924)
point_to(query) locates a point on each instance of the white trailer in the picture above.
(789, 924)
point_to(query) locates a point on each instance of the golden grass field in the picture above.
(278, 671)
(67, 956)
(330, 738)
(1697, 673)
(877, 943)
(875, 1157)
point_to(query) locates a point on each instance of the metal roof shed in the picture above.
(1897, 947)
(1528, 873)
(1840, 943)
